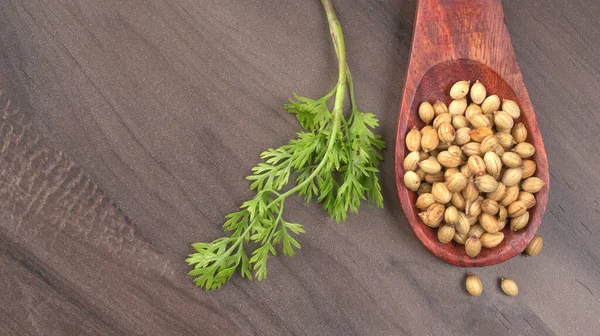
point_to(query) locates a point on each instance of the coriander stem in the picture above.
(277, 221)
(351, 90)
(337, 36)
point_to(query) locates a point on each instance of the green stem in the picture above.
(277, 221)
(351, 90)
(330, 93)
(337, 36)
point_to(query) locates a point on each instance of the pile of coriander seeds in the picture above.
(471, 167)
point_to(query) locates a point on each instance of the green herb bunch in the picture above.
(334, 160)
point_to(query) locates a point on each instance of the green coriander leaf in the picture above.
(312, 114)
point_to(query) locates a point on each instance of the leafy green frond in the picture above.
(374, 190)
(312, 114)
(260, 257)
(289, 242)
(214, 263)
(308, 185)
(280, 163)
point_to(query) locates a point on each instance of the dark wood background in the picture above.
(127, 127)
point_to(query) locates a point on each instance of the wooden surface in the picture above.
(161, 108)
(470, 41)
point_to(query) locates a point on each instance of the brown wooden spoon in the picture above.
(465, 40)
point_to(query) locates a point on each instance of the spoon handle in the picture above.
(447, 30)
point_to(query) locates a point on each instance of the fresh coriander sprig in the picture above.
(334, 160)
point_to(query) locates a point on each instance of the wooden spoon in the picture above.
(465, 40)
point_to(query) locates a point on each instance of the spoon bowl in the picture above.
(465, 40)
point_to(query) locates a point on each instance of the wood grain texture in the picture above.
(166, 105)
(69, 255)
(469, 41)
